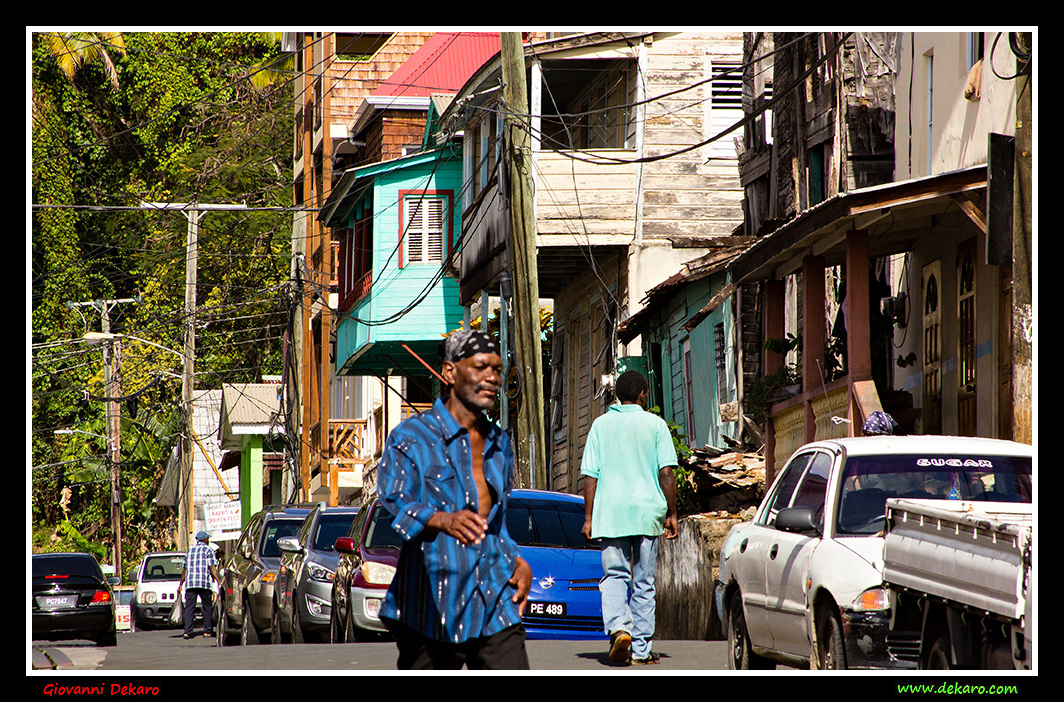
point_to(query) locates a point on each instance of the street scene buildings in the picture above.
(784, 231)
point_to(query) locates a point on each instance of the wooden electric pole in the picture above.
(531, 449)
(193, 212)
(1022, 254)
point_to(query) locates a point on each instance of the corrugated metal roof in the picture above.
(442, 64)
(250, 403)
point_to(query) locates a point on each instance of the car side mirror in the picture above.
(798, 520)
(345, 544)
(289, 544)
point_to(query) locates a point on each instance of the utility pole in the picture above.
(1022, 256)
(192, 212)
(112, 375)
(531, 445)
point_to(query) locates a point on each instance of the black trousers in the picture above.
(502, 651)
(205, 596)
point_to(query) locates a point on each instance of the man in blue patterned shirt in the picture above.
(445, 475)
(201, 564)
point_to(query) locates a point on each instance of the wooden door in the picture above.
(966, 342)
(932, 318)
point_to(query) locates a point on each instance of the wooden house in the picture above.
(632, 177)
(926, 256)
(690, 339)
(361, 98)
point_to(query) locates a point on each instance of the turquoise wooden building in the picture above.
(688, 349)
(397, 225)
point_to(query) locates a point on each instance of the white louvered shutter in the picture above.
(425, 227)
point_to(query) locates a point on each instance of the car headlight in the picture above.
(875, 599)
(320, 573)
(149, 597)
(269, 577)
(378, 573)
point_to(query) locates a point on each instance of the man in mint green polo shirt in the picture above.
(629, 500)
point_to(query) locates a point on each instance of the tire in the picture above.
(831, 649)
(298, 635)
(277, 634)
(938, 656)
(107, 639)
(350, 631)
(740, 655)
(249, 635)
(336, 629)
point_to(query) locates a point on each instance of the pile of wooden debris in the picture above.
(725, 483)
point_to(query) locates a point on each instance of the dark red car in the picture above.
(368, 556)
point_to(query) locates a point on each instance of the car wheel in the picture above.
(278, 635)
(298, 635)
(249, 635)
(741, 657)
(831, 652)
(108, 639)
(938, 657)
(336, 629)
(350, 630)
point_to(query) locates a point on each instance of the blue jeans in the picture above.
(628, 565)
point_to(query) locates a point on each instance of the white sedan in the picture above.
(802, 583)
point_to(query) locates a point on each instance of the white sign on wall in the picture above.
(221, 516)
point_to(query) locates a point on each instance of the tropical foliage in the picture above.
(120, 120)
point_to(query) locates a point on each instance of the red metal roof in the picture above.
(442, 64)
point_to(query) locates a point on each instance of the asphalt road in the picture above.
(165, 651)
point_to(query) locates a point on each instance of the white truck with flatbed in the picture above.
(959, 571)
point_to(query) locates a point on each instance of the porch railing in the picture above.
(831, 412)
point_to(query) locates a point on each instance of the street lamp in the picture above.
(113, 429)
(184, 516)
(116, 523)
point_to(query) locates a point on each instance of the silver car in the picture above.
(302, 593)
(248, 574)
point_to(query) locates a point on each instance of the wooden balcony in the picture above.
(341, 476)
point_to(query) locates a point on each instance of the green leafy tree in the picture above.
(117, 120)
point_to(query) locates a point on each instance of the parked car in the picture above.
(71, 598)
(367, 557)
(302, 593)
(802, 583)
(156, 579)
(248, 573)
(564, 602)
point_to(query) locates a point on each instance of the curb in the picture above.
(50, 661)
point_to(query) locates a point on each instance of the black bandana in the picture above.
(465, 343)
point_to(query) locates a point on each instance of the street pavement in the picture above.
(166, 651)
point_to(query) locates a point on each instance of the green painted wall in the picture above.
(395, 288)
(250, 478)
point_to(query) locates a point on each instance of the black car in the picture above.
(71, 599)
(302, 593)
(248, 574)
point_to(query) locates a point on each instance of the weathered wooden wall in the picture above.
(686, 569)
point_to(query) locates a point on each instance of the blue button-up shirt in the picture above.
(198, 562)
(443, 589)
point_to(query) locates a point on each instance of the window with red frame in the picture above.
(425, 236)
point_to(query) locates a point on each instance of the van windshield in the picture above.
(868, 481)
(163, 567)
